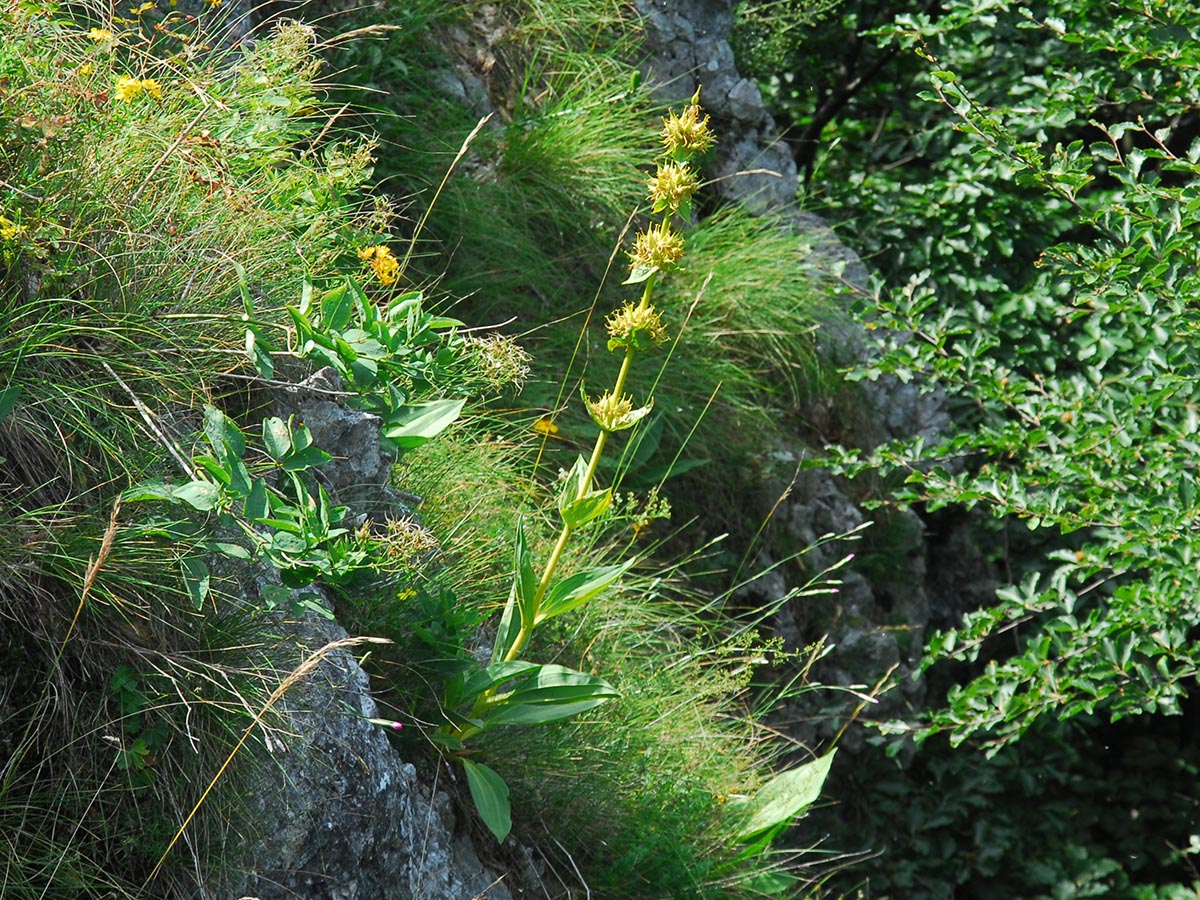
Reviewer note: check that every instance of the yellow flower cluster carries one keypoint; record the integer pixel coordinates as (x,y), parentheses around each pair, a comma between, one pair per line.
(10,230)
(687,132)
(640,327)
(658,247)
(672,186)
(615,412)
(130,88)
(383,263)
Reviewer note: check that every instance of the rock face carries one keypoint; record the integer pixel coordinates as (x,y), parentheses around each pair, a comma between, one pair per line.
(338,814)
(342,817)
(688,46)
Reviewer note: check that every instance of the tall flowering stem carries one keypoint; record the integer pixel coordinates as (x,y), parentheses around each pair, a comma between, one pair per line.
(635,328)
(511,691)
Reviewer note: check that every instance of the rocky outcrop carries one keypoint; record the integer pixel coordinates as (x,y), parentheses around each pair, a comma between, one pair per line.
(341,816)
(338,813)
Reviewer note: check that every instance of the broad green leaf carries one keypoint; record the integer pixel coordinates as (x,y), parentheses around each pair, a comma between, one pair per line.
(306,294)
(308,458)
(497,673)
(277,437)
(524,578)
(239,477)
(403,305)
(274,595)
(786,795)
(553,693)
(576,590)
(304,327)
(590,506)
(638,274)
(644,444)
(529,714)
(8,398)
(557,684)
(148,490)
(336,309)
(257,506)
(196,579)
(418,424)
(777,883)
(509,628)
(233,551)
(573,485)
(490,794)
(365,372)
(201,495)
(285,542)
(258,349)
(223,435)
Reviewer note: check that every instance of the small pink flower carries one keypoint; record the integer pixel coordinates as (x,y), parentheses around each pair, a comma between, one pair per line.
(387,723)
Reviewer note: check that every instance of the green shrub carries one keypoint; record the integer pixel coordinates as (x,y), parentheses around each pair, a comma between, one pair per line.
(1031,215)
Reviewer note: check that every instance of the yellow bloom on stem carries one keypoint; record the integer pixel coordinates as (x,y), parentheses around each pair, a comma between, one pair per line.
(383,263)
(672,186)
(658,247)
(687,133)
(640,327)
(615,413)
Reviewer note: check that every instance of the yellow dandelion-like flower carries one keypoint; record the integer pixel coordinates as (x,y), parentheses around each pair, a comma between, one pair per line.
(383,263)
(130,88)
(638,327)
(687,132)
(672,186)
(102,36)
(10,230)
(614,412)
(658,247)
(545,426)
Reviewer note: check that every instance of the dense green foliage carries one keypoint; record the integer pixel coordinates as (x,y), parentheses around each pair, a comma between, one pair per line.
(1024,181)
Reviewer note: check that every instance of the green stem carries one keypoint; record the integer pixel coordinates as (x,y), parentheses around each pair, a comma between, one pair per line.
(526,629)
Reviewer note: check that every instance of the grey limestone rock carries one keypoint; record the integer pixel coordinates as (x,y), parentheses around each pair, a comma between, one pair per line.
(340,815)
(337,814)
